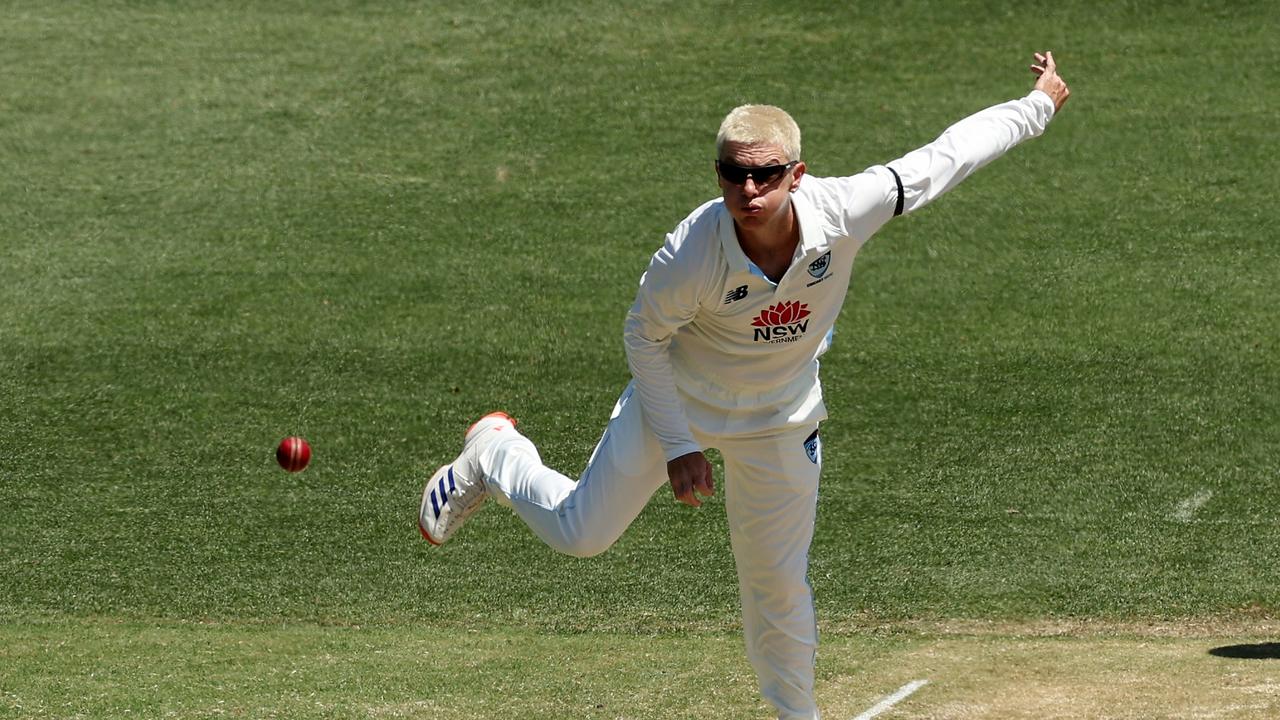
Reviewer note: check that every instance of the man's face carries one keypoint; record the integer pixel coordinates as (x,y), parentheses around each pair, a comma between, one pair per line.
(756,202)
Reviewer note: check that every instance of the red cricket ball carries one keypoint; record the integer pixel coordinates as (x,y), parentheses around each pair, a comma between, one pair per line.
(293,454)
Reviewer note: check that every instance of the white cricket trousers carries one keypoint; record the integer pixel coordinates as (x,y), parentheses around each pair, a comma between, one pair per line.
(771,490)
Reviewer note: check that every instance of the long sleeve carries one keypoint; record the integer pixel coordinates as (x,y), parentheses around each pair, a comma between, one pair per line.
(966,146)
(860,204)
(670,294)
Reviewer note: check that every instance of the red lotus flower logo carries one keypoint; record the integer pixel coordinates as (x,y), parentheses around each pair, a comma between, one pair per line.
(784,313)
(783,322)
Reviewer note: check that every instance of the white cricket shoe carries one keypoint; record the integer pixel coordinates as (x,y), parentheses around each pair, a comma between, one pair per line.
(456,491)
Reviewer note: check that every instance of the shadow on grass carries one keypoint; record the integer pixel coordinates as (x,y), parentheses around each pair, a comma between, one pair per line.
(1257,651)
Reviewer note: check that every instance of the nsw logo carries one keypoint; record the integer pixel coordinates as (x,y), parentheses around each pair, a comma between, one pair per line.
(783,322)
(818,267)
(813,448)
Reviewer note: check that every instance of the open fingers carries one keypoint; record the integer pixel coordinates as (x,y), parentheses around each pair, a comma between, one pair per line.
(1048,80)
(1044,64)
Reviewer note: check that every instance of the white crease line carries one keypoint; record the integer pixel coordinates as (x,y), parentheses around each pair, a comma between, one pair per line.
(902,694)
(1186,509)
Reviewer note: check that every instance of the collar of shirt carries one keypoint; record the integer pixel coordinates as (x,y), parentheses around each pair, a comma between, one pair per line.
(812,240)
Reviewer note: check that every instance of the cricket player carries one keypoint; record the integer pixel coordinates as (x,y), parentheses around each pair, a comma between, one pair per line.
(723,343)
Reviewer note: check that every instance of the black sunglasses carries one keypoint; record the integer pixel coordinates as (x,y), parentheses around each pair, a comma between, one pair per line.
(763,175)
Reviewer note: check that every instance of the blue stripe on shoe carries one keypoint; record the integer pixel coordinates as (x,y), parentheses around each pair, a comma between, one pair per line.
(452,485)
(435,504)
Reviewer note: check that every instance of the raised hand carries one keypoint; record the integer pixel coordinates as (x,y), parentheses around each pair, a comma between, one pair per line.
(1049,82)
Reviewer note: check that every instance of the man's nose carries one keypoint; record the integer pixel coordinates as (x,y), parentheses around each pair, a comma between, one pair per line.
(749,187)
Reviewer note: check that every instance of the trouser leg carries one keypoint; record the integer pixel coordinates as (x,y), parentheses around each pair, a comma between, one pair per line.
(582,518)
(771,487)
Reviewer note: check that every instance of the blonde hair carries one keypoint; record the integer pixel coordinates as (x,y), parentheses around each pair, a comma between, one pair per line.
(760,125)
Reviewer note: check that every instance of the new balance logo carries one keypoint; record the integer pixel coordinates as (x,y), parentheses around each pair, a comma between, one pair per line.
(735,294)
(783,322)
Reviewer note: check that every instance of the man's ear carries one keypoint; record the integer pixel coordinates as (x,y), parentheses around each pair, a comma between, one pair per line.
(797,171)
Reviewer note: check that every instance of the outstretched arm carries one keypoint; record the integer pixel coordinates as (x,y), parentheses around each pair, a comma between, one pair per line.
(873,197)
(926,173)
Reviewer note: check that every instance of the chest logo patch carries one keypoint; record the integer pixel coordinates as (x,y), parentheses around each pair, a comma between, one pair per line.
(818,267)
(784,322)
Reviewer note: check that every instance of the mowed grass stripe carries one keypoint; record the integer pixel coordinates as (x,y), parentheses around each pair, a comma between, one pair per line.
(108,669)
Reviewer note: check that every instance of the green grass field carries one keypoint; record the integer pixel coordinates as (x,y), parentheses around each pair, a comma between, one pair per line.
(1055,394)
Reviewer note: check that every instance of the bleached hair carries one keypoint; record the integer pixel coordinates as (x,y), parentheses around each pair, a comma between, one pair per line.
(760,125)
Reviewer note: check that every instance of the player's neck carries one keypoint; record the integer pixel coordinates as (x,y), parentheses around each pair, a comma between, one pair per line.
(771,246)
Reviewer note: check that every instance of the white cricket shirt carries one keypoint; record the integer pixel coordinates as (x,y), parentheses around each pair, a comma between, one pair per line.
(715,346)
